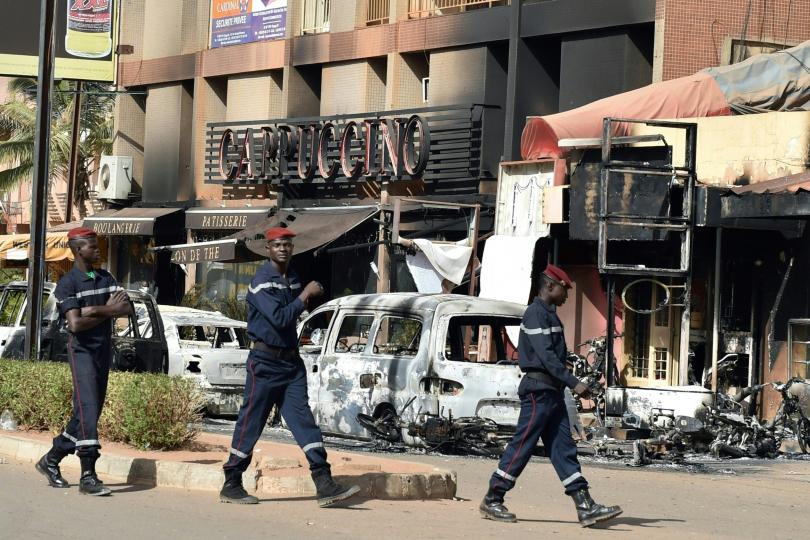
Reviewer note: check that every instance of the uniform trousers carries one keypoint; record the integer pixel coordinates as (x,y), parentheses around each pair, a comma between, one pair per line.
(542,415)
(275,381)
(90,368)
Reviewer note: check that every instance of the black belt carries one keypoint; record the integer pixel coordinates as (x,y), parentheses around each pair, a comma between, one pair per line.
(278,353)
(543,378)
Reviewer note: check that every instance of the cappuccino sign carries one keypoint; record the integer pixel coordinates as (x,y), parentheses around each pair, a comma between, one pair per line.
(372,148)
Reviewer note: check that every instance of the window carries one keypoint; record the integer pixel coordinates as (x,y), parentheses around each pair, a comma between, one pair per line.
(641,367)
(661,362)
(144,318)
(212,337)
(13,301)
(398,336)
(799,348)
(314,332)
(123,327)
(353,335)
(483,339)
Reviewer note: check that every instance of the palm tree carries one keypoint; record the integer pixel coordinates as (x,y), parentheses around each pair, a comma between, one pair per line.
(17,133)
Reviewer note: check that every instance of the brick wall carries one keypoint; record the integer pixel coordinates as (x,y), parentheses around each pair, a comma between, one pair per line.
(696,33)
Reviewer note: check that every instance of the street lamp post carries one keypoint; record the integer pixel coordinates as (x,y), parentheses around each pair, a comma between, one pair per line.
(39,188)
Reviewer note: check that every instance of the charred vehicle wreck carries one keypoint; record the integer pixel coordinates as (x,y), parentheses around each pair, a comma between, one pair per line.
(435,371)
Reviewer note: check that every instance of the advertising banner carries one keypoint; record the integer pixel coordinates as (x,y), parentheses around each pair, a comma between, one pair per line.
(234,22)
(86,39)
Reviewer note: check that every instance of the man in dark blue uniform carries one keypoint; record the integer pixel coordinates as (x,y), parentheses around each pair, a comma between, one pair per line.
(88,298)
(542,354)
(276,374)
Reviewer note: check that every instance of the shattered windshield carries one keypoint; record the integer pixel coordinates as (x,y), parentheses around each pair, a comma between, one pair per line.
(483,339)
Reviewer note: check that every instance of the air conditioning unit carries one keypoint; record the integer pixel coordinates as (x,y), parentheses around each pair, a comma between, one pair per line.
(115,177)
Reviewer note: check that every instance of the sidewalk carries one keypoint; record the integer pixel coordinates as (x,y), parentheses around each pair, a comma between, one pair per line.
(280,470)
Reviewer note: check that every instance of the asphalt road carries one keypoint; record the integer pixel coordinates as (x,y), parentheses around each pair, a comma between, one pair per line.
(730,499)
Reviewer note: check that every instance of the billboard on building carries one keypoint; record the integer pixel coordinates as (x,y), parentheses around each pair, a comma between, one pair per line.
(86,35)
(234,22)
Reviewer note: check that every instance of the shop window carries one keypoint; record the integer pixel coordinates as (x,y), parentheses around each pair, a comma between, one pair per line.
(314,332)
(353,335)
(661,363)
(482,339)
(398,336)
(799,348)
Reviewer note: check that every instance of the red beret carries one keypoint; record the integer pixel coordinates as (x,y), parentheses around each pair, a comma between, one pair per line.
(278,232)
(557,274)
(81,232)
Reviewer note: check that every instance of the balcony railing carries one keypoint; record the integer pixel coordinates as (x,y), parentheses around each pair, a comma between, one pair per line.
(315,16)
(418,9)
(377,12)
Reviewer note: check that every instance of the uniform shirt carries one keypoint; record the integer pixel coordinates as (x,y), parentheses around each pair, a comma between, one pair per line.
(76,290)
(274,307)
(542,347)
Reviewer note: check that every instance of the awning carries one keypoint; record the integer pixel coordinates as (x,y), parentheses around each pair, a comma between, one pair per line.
(15,247)
(226,218)
(128,221)
(314,228)
(785,197)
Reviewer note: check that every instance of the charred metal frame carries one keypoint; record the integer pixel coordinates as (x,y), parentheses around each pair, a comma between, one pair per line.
(683,177)
(442,204)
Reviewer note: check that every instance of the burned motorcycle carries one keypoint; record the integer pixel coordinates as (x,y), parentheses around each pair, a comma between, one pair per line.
(471,435)
(591,373)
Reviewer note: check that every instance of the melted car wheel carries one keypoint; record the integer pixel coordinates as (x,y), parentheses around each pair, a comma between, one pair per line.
(383,427)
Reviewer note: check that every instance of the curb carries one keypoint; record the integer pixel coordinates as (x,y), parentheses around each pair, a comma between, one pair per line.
(276,477)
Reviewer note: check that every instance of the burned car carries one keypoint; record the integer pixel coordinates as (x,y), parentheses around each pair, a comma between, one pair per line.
(138,342)
(423,366)
(210,348)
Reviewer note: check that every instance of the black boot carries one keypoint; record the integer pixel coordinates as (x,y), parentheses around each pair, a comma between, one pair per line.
(329,491)
(590,512)
(89,484)
(48,465)
(492,508)
(233,492)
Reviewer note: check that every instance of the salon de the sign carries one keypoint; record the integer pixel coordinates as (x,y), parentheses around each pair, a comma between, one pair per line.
(328,150)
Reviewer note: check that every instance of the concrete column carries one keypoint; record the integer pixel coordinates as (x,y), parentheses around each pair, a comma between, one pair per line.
(167,144)
(210,97)
(302,91)
(403,88)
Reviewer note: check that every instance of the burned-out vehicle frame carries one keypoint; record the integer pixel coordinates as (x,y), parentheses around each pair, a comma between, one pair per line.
(424,366)
(138,339)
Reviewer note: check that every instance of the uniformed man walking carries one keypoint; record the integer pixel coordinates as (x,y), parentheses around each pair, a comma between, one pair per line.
(543,413)
(88,299)
(276,374)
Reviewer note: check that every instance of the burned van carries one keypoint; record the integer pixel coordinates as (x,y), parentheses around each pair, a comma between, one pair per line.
(411,356)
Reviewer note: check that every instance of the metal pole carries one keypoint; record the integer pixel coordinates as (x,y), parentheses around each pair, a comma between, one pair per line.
(476,225)
(718,250)
(74,151)
(609,365)
(39,187)
(511,81)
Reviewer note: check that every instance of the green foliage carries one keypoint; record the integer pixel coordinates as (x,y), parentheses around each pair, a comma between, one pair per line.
(18,130)
(143,409)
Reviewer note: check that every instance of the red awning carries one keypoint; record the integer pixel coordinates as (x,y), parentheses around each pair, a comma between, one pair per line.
(687,97)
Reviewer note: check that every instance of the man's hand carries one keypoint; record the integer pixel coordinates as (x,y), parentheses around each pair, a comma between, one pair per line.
(312,290)
(582,390)
(118,297)
(119,301)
